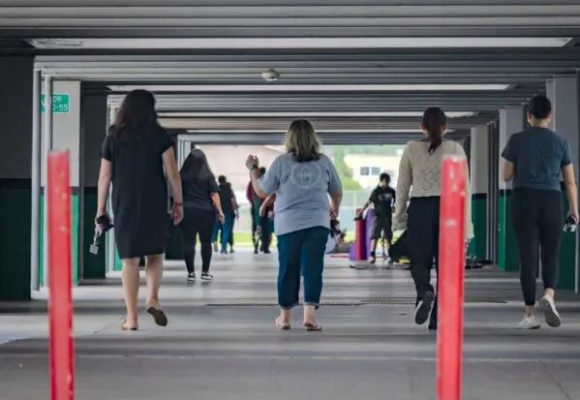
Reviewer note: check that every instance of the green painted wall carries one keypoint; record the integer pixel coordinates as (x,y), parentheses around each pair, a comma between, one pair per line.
(75,238)
(15,220)
(118,263)
(478,246)
(567,267)
(507,249)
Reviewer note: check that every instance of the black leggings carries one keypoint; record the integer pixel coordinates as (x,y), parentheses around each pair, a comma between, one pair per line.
(538,221)
(423,243)
(196,222)
(266,233)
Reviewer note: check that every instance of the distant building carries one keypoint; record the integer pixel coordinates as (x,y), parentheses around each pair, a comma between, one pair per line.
(366,168)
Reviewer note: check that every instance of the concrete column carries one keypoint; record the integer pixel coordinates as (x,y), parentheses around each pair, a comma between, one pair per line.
(94,128)
(479,166)
(36,164)
(66,117)
(16,78)
(511,120)
(563,92)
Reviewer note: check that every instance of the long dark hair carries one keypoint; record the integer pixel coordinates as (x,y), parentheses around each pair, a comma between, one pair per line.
(434,122)
(196,168)
(136,116)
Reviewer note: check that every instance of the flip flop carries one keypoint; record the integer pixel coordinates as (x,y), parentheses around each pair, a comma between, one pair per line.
(312,327)
(281,326)
(158,315)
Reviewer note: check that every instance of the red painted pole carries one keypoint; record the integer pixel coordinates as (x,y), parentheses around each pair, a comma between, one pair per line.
(450,275)
(59,278)
(360,237)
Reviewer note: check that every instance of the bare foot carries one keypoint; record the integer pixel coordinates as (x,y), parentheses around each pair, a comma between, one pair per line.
(310,323)
(150,303)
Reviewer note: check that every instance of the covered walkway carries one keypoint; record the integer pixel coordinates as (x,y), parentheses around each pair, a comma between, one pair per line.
(221,342)
(362,72)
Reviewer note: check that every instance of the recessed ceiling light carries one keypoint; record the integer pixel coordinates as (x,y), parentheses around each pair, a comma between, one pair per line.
(307,43)
(311,88)
(348,114)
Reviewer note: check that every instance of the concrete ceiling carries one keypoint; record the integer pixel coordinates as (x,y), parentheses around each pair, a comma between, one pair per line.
(207,56)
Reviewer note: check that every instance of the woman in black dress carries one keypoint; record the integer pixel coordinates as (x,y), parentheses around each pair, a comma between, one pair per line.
(201,201)
(137,154)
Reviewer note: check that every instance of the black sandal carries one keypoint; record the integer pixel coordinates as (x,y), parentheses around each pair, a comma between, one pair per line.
(158,315)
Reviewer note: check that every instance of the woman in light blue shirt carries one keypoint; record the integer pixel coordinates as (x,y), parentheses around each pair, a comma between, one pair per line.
(302,180)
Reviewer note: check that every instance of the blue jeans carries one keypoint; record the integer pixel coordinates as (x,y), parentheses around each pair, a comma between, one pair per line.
(226,229)
(301,251)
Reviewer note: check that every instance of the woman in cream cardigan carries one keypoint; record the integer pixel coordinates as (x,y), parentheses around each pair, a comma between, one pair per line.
(420,180)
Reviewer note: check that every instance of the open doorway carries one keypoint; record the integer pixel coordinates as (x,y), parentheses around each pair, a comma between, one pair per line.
(358,166)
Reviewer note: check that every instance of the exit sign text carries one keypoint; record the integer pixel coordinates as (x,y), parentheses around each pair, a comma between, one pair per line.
(60,103)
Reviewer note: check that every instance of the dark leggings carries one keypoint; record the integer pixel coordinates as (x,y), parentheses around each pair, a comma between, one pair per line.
(266,233)
(537,218)
(196,222)
(423,244)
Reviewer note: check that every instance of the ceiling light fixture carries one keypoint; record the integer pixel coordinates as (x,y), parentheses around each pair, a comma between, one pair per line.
(266,131)
(306,43)
(270,75)
(346,114)
(49,43)
(313,88)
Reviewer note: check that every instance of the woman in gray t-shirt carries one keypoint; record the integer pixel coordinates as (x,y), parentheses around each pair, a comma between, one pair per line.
(535,159)
(302,180)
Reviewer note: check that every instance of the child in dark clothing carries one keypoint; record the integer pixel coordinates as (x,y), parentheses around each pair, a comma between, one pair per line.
(382,198)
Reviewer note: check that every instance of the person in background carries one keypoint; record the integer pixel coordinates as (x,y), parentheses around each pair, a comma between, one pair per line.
(383,199)
(420,179)
(266,218)
(337,243)
(255,204)
(136,157)
(534,160)
(228,203)
(201,201)
(235,216)
(302,179)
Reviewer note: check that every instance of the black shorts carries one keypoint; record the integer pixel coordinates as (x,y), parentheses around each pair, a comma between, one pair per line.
(382,228)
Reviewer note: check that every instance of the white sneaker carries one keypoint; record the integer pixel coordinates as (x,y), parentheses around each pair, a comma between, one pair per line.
(529,322)
(548,307)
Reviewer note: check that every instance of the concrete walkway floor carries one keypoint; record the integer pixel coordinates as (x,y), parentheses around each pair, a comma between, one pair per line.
(221,342)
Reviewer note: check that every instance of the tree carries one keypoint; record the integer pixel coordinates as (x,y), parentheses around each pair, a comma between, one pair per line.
(344,172)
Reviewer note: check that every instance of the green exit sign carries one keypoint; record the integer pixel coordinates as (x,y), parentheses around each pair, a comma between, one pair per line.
(60,103)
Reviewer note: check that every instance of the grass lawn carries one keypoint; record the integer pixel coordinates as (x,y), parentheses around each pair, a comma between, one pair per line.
(244,239)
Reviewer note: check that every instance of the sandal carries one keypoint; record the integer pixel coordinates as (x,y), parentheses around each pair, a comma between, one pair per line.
(126,328)
(282,326)
(158,315)
(312,327)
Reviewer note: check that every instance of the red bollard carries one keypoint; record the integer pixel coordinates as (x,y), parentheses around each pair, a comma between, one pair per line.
(450,277)
(59,278)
